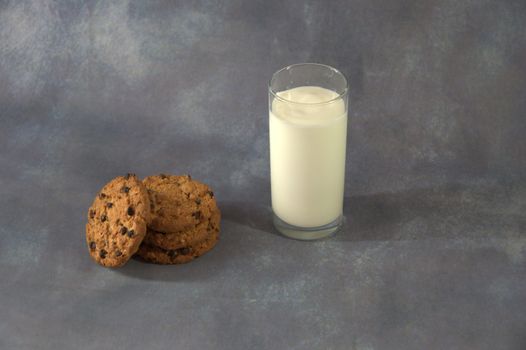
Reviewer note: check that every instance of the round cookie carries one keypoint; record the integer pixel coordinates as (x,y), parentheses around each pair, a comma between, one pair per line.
(182,255)
(178,202)
(188,237)
(117,221)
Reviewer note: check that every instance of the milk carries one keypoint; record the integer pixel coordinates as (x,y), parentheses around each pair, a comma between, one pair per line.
(307,155)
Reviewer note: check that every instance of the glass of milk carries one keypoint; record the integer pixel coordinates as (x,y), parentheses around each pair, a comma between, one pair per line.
(308,131)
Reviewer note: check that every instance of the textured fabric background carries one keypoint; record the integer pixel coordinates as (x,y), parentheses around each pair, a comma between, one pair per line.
(433,254)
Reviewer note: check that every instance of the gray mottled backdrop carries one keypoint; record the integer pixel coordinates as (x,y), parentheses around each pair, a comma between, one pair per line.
(433,255)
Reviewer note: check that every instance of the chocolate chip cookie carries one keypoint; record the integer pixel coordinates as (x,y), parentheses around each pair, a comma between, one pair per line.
(117,221)
(190,236)
(182,255)
(178,203)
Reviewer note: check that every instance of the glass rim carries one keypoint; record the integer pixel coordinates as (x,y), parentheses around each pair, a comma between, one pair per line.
(340,95)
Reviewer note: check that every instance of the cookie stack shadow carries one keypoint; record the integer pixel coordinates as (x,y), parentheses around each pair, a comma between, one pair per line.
(163,219)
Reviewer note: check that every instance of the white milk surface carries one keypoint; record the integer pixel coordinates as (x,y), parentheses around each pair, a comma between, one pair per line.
(307,155)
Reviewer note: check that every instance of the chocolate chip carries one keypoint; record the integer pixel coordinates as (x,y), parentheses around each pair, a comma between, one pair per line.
(184,251)
(131,233)
(118,253)
(125,189)
(123,230)
(91,213)
(189,177)
(92,245)
(127,176)
(102,253)
(172,253)
(130,211)
(102,195)
(187,195)
(109,205)
(103,218)
(197,215)
(163,176)
(198,201)
(210,193)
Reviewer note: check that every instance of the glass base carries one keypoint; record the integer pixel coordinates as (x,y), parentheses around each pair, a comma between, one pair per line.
(307,233)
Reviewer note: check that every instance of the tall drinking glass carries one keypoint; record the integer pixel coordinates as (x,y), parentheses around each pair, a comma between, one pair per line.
(308,130)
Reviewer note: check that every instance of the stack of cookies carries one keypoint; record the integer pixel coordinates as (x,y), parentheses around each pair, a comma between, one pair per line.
(164,219)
